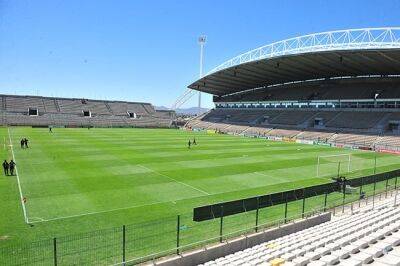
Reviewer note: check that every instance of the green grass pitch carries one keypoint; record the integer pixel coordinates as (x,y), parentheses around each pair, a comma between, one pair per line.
(79,180)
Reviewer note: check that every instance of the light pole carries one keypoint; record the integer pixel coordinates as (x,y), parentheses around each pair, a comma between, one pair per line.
(202,41)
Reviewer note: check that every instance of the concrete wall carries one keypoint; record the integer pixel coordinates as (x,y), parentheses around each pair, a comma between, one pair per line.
(220,250)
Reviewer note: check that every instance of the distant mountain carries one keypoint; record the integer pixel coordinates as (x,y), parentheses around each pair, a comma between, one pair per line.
(191,111)
(184,111)
(161,108)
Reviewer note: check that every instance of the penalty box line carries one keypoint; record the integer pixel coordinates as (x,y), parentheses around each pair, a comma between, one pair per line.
(173,179)
(41,220)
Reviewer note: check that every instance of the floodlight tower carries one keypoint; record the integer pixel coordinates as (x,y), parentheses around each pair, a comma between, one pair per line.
(202,41)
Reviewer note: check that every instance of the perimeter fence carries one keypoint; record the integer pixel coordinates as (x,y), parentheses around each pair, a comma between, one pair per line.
(139,242)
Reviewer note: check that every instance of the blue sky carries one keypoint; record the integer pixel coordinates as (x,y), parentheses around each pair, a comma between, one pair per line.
(147,50)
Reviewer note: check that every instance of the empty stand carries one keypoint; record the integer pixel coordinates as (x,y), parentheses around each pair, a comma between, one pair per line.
(292,117)
(355,139)
(355,120)
(69,112)
(357,128)
(370,236)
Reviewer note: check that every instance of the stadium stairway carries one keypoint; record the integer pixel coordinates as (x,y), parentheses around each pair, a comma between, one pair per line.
(369,235)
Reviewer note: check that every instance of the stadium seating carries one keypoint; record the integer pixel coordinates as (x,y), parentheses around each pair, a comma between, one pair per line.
(388,141)
(257,131)
(320,90)
(354,139)
(369,236)
(355,120)
(69,112)
(288,133)
(21,104)
(292,118)
(315,135)
(350,127)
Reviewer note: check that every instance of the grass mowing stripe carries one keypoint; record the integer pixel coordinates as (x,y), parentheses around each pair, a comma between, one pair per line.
(19,183)
(182,183)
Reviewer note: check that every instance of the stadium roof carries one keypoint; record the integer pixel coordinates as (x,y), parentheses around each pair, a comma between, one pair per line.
(354,52)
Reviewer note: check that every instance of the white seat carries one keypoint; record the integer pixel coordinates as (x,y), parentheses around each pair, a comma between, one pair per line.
(312,255)
(350,262)
(300,261)
(374,251)
(351,248)
(317,263)
(362,257)
(288,256)
(342,254)
(330,259)
(389,260)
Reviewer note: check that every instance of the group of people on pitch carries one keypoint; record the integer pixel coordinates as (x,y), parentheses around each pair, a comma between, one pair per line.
(24,143)
(192,143)
(9,167)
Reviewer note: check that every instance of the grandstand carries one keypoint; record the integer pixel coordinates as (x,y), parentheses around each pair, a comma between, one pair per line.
(368,236)
(70,112)
(342,87)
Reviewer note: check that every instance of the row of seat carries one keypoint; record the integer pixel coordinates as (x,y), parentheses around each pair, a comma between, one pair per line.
(332,90)
(20,104)
(336,120)
(13,119)
(368,237)
(370,140)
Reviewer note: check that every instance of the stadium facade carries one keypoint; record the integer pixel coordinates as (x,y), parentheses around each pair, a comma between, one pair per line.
(338,87)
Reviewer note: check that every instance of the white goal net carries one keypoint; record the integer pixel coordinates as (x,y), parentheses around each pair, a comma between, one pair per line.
(333,165)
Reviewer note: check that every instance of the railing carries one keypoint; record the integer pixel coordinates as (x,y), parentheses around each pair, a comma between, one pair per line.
(136,243)
(352,39)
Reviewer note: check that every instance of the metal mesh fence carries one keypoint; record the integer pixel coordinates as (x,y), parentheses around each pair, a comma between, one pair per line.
(140,242)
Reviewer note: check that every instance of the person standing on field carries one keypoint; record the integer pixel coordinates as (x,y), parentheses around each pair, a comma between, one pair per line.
(194,141)
(5,167)
(22,143)
(12,167)
(26,142)
(189,143)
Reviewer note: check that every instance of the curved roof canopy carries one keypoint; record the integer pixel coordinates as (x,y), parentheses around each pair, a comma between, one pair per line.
(356,52)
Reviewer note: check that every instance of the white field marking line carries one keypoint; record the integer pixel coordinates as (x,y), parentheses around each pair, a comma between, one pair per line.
(270,176)
(182,183)
(19,183)
(37,218)
(258,173)
(98,212)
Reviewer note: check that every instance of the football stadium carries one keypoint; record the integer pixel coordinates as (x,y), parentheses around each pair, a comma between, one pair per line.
(297,164)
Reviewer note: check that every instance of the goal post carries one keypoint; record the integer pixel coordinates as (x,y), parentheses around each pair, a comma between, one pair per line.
(331,165)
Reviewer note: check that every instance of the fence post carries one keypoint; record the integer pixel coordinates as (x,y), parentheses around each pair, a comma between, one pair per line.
(344,195)
(373,195)
(359,198)
(258,207)
(55,251)
(221,224)
(123,245)
(395,183)
(286,203)
(386,189)
(326,198)
(178,229)
(304,204)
